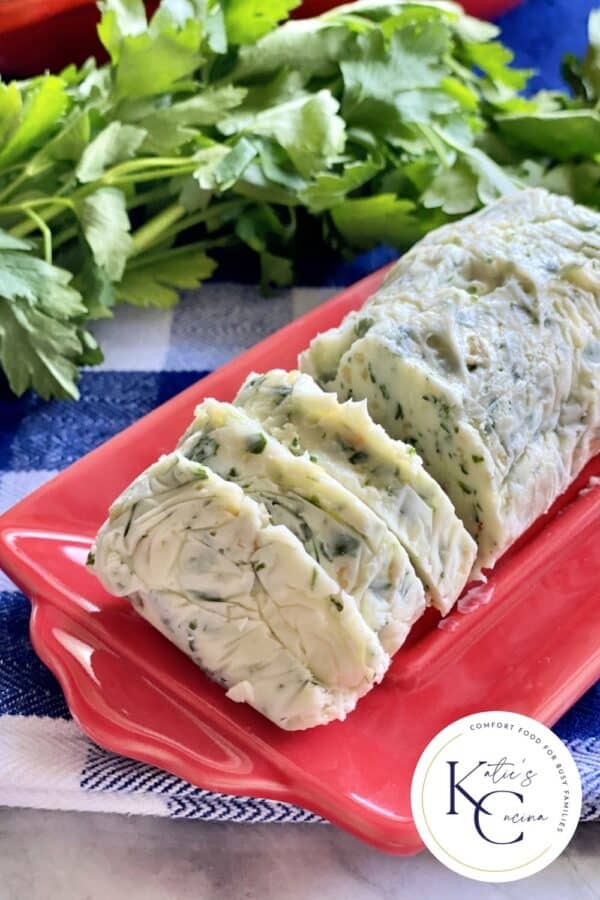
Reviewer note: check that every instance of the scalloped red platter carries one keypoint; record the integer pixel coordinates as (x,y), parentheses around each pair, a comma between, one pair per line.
(528,641)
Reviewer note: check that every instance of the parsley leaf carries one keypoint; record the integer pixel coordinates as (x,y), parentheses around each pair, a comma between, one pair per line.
(70,142)
(583,75)
(382,218)
(330,188)
(169,127)
(32,115)
(150,58)
(10,109)
(248,20)
(260,229)
(379,72)
(96,289)
(494,60)
(453,190)
(307,128)
(115,143)
(154,282)
(314,46)
(563,134)
(106,227)
(40,344)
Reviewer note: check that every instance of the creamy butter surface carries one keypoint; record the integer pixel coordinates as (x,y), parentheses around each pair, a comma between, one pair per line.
(201,562)
(386,475)
(482,351)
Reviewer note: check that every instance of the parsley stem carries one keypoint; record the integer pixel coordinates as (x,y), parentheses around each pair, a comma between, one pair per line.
(45,232)
(147,169)
(217,209)
(154,228)
(64,235)
(38,201)
(437,144)
(57,206)
(31,170)
(147,162)
(157,193)
(13,168)
(150,176)
(138,262)
(154,233)
(12,185)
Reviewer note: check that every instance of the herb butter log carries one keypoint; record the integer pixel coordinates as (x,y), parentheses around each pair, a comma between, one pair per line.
(201,562)
(530,237)
(386,475)
(482,350)
(341,533)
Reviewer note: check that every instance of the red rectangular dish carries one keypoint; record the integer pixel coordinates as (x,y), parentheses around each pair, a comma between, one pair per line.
(527,641)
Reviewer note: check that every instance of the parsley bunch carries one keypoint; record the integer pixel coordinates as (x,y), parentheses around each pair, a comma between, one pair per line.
(213,127)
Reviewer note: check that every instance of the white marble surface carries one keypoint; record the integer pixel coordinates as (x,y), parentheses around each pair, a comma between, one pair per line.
(96,856)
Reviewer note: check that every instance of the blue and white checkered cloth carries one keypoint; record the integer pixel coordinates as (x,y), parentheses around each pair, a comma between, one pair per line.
(45,760)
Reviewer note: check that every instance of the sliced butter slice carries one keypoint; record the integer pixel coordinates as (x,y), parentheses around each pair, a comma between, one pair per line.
(387,475)
(342,534)
(241,597)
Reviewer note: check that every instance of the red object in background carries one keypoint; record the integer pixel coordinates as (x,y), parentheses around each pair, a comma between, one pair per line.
(42,35)
(36,35)
(528,641)
(39,35)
